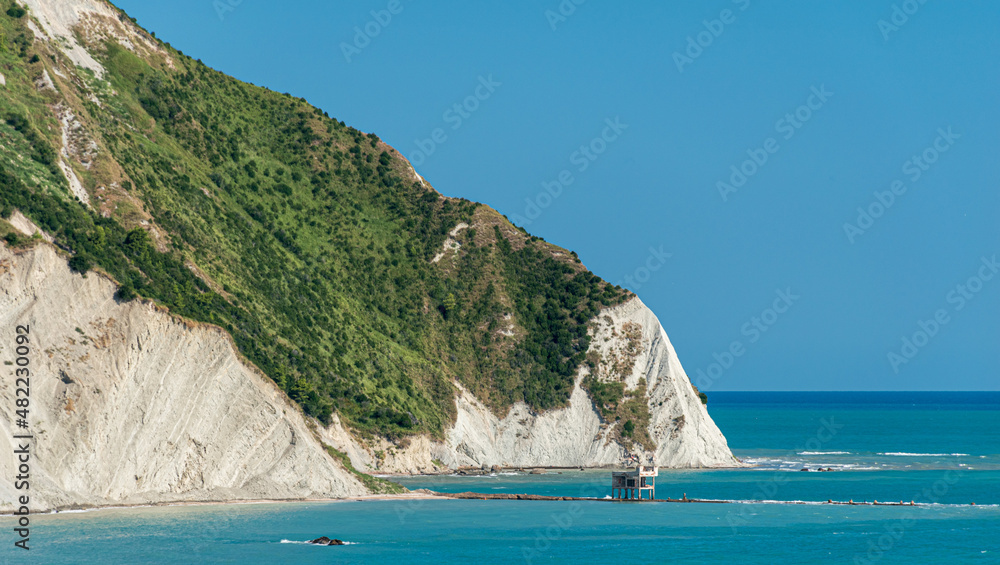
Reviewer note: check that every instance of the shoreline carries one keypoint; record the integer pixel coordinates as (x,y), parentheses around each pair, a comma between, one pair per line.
(541,470)
(86,508)
(419,494)
(423,494)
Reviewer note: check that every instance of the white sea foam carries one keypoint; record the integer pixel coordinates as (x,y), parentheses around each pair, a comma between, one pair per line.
(904,454)
(824,453)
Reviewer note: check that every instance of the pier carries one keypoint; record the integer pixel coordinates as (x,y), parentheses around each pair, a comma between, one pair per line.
(684,499)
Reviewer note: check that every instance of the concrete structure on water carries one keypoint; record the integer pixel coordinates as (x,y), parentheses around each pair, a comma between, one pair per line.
(629,485)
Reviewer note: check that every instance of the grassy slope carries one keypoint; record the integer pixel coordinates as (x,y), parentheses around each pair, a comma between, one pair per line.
(308,240)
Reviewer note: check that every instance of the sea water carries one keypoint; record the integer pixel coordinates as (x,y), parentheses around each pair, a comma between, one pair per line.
(940,450)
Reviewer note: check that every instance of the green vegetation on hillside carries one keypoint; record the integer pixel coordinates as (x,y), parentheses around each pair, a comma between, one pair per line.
(376,485)
(311,242)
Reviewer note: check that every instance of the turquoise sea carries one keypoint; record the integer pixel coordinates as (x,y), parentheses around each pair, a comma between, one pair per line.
(940,450)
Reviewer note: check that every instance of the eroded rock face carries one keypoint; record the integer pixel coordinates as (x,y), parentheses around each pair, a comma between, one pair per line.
(680,427)
(95,20)
(130,405)
(628,338)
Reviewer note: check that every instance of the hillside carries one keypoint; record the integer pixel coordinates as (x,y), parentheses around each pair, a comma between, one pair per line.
(308,240)
(384,309)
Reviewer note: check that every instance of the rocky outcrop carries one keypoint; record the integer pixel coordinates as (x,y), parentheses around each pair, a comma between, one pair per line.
(63,22)
(326,541)
(130,405)
(680,427)
(633,348)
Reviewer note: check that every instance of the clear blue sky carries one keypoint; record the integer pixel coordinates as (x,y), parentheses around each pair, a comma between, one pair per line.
(889,89)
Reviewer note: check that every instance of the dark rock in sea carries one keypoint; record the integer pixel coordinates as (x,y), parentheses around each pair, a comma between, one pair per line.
(804,469)
(326,541)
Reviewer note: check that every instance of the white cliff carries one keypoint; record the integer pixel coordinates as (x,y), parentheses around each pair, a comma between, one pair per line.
(681,429)
(130,405)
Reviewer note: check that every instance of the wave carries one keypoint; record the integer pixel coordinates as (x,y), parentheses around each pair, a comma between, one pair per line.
(904,454)
(859,503)
(824,453)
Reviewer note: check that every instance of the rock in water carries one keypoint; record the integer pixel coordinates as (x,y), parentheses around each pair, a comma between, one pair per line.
(326,541)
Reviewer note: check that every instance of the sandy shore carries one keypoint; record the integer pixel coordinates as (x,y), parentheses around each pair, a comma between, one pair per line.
(76,509)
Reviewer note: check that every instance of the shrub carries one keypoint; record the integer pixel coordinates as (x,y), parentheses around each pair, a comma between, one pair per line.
(126,292)
(628,429)
(80,263)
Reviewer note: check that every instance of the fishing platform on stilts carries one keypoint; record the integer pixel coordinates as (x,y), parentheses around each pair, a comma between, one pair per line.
(634,484)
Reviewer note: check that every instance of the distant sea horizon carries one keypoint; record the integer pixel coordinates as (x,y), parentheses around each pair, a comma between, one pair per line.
(983,397)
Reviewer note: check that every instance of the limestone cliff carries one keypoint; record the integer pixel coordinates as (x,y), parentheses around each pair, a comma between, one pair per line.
(682,432)
(130,405)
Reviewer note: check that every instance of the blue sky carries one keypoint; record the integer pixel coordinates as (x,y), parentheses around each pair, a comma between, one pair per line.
(766,278)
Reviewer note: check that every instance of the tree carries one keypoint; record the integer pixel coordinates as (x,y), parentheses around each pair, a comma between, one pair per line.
(80,263)
(136,243)
(628,429)
(100,237)
(126,292)
(449,304)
